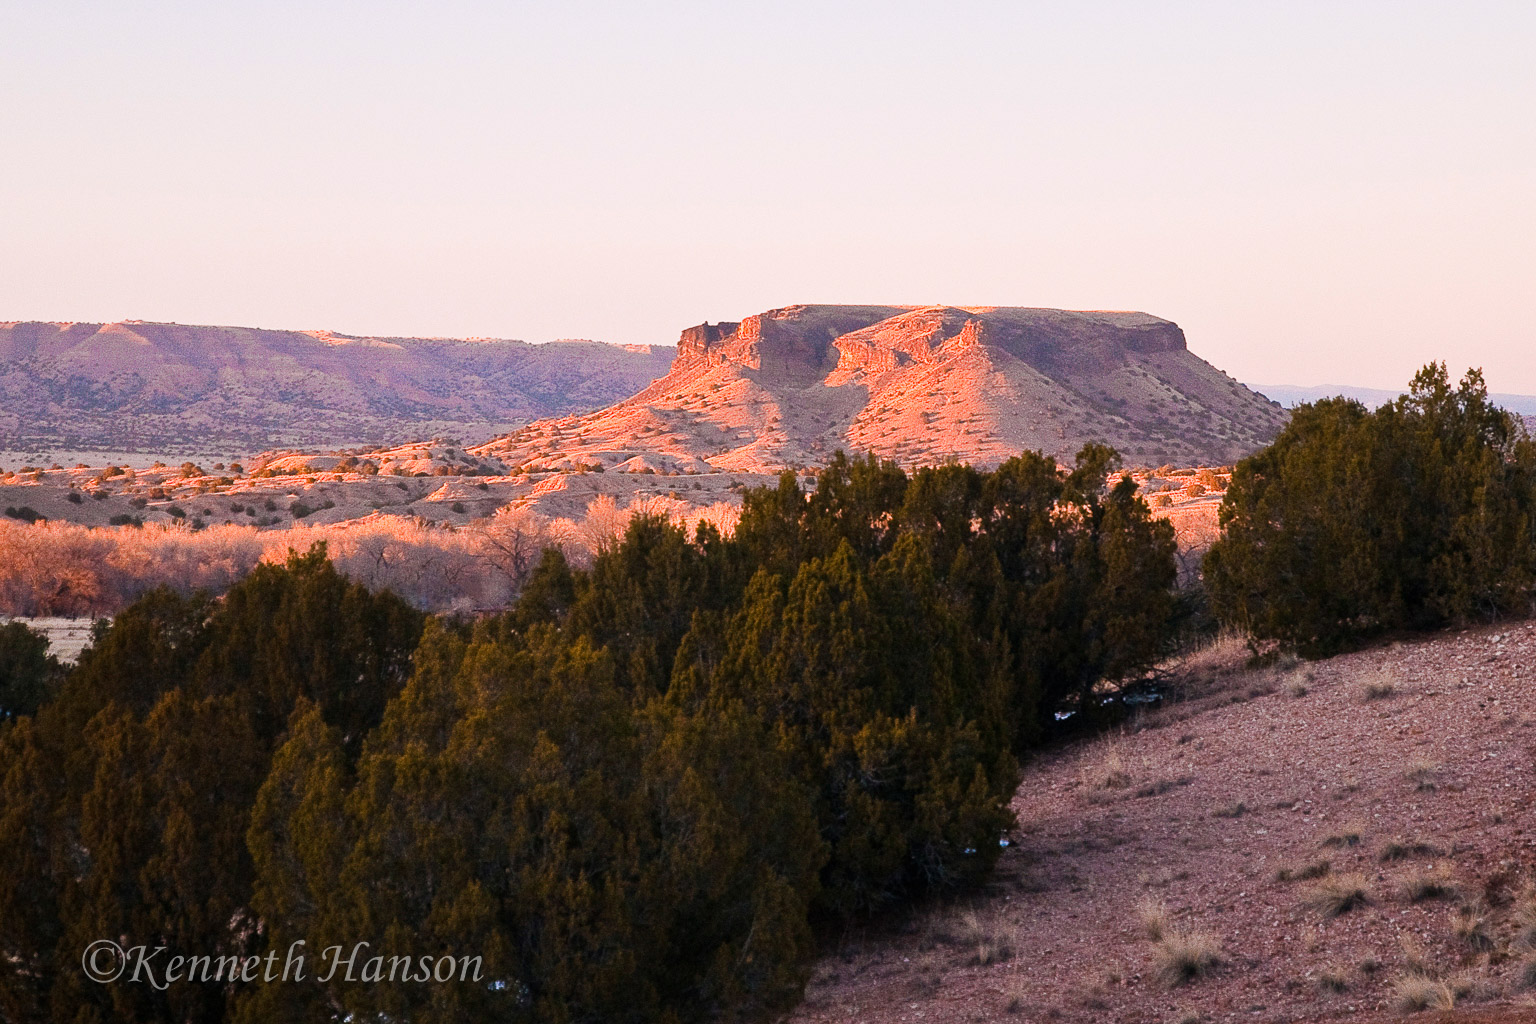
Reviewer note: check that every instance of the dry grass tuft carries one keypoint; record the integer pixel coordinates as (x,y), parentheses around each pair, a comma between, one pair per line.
(1525,975)
(1337,894)
(1349,835)
(1181,957)
(1332,979)
(1107,767)
(1415,956)
(1303,872)
(1525,919)
(1402,849)
(990,940)
(1154,920)
(1435,884)
(1233,810)
(1424,775)
(1412,993)
(1378,686)
(1470,927)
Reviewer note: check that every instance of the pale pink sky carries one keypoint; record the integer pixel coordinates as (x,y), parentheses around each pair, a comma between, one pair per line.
(1318,192)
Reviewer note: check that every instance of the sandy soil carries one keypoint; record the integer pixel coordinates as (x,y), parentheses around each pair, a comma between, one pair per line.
(1199,810)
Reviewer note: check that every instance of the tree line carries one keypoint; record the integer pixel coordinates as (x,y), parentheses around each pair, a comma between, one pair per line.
(637,794)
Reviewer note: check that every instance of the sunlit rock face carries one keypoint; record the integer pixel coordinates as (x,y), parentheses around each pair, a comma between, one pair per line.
(917,384)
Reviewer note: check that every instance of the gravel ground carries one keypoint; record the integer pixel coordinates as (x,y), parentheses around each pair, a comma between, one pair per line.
(1194,814)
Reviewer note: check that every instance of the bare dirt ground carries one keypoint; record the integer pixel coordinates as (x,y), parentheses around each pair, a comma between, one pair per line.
(1401,778)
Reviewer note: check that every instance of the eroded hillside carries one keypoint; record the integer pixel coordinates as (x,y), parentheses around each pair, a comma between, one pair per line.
(788,387)
(171,388)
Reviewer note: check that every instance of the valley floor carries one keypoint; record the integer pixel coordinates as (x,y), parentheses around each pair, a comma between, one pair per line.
(1408,767)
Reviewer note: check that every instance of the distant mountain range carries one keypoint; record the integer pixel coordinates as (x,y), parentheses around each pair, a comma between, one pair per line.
(1291,395)
(154,387)
(919,385)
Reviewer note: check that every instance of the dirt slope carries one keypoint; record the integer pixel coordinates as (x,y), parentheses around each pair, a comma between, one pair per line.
(1198,808)
(788,387)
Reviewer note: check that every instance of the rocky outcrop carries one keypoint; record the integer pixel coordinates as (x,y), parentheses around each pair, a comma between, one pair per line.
(790,386)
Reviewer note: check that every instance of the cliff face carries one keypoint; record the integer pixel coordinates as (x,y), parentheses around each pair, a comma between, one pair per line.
(166,386)
(917,384)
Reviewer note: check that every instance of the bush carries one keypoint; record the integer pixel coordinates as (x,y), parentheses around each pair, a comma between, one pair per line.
(27,671)
(1353,523)
(299,510)
(25,513)
(74,498)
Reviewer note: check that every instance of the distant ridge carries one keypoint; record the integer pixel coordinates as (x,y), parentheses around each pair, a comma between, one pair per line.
(147,386)
(916,384)
(1292,395)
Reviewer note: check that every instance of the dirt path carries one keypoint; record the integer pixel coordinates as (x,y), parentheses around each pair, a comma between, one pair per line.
(1195,814)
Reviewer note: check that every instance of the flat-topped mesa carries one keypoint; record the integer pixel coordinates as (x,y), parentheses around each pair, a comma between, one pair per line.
(884,337)
(917,384)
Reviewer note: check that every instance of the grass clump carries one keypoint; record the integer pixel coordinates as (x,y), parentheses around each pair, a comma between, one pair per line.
(1234,810)
(1337,894)
(1424,775)
(1525,974)
(1414,992)
(1303,872)
(1349,835)
(1332,979)
(990,941)
(1420,886)
(1470,928)
(1182,957)
(1153,917)
(1379,687)
(1403,849)
(1525,919)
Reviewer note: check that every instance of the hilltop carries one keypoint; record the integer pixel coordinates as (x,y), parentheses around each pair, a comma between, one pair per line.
(788,387)
(169,388)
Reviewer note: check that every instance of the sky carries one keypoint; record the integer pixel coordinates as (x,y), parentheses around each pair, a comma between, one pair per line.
(1316,192)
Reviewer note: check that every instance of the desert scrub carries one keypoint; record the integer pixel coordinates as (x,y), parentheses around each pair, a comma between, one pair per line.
(1403,849)
(1435,884)
(1424,775)
(1332,979)
(990,940)
(1348,835)
(1469,926)
(1233,810)
(1525,974)
(1153,918)
(1525,919)
(1334,895)
(1379,685)
(1107,767)
(1181,957)
(1303,872)
(1414,992)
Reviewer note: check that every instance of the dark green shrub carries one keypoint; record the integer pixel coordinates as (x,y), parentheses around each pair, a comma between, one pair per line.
(28,672)
(1354,522)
